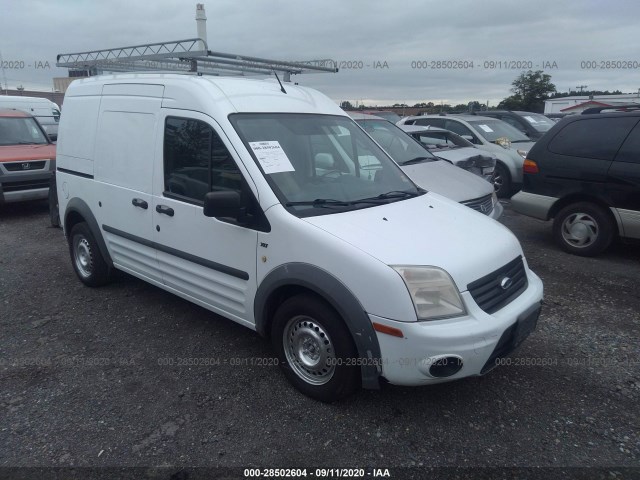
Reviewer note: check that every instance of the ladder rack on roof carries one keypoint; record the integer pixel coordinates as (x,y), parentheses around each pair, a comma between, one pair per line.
(190,55)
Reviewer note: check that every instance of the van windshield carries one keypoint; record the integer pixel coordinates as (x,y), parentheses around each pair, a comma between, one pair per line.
(321,164)
(20,131)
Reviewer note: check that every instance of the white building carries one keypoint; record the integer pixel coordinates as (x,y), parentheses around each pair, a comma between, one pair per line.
(578,103)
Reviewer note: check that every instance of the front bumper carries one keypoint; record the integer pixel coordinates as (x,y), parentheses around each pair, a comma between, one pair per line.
(477,339)
(19,186)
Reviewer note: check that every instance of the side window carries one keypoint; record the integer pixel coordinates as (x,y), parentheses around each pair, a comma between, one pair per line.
(462,130)
(196,161)
(598,138)
(434,122)
(630,151)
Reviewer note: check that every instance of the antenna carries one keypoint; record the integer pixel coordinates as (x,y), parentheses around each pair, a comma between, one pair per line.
(278,78)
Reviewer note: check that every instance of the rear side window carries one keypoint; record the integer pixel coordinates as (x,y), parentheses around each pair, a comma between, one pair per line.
(630,151)
(457,127)
(598,138)
(196,161)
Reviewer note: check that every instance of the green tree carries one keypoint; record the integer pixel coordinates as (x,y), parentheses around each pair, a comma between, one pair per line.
(346,105)
(530,89)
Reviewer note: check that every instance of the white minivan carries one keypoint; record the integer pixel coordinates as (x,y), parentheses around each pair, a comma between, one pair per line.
(44,110)
(277,211)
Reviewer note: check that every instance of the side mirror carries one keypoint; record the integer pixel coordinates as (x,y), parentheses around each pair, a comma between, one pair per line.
(222,204)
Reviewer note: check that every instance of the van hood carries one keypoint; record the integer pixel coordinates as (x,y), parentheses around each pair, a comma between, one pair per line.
(19,153)
(426,230)
(449,181)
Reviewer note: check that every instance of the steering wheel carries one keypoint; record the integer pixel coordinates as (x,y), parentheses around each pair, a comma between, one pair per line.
(330,172)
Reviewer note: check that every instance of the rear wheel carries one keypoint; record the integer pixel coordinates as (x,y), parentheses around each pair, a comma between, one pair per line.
(86,258)
(583,228)
(315,349)
(502,180)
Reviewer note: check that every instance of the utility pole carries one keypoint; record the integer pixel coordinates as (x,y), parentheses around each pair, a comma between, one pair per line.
(4,76)
(582,87)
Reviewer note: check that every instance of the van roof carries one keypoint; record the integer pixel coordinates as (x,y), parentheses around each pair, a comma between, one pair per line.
(12,112)
(224,95)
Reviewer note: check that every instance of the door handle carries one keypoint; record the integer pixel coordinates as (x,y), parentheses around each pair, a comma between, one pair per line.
(164,210)
(138,202)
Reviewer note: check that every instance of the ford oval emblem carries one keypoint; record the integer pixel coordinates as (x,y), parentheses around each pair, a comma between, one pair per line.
(505,283)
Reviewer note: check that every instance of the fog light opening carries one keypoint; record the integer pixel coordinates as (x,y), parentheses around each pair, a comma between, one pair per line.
(445,367)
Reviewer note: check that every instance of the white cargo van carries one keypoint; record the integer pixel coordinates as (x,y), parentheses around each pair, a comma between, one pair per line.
(277,211)
(46,112)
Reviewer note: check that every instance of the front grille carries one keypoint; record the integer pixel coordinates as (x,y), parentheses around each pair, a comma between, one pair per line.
(491,292)
(25,185)
(482,204)
(24,166)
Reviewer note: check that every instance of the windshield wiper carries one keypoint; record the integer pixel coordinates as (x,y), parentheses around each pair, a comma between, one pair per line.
(329,202)
(392,195)
(395,194)
(28,143)
(417,160)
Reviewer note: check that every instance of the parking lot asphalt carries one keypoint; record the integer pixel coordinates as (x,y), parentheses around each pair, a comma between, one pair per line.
(130,375)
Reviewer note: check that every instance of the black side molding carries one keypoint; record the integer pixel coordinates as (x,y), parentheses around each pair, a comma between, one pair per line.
(234,272)
(73,172)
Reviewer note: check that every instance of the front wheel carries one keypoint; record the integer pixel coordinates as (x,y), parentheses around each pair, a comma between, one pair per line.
(86,258)
(315,349)
(502,180)
(583,228)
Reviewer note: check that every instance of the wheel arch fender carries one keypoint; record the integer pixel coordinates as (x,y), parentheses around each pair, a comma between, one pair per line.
(292,278)
(77,211)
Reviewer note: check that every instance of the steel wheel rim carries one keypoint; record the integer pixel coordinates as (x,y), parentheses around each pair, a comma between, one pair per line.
(82,256)
(309,350)
(580,230)
(497,180)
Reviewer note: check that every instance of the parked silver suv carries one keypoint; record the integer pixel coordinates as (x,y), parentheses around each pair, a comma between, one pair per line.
(490,134)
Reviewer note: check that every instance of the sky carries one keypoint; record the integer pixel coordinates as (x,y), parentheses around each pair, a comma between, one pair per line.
(440,51)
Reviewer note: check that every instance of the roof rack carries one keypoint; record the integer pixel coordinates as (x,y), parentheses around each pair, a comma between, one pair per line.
(630,107)
(184,56)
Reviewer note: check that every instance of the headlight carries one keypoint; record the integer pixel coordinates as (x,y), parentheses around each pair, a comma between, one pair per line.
(432,291)
(523,153)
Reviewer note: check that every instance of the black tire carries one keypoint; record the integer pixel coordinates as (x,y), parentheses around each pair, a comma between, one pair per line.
(86,258)
(583,228)
(502,180)
(331,371)
(54,211)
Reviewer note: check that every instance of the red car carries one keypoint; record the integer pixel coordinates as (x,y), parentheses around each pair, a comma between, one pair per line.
(27,158)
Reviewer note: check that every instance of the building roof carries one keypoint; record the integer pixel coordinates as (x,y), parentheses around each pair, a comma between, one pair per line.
(595,103)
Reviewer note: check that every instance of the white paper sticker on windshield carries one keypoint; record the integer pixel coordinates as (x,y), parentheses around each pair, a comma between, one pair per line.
(530,119)
(486,128)
(271,157)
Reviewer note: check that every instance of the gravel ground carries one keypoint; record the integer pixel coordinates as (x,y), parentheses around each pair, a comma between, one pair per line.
(84,379)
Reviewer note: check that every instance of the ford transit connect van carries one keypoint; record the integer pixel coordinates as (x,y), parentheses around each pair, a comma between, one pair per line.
(277,211)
